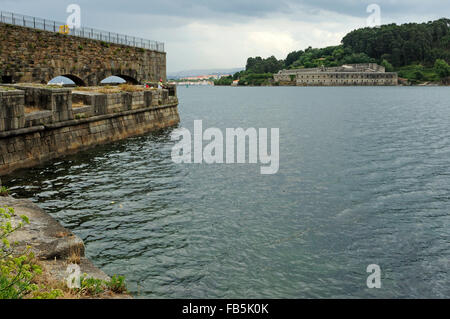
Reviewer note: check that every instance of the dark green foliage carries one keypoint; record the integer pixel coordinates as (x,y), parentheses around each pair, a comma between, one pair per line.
(256,79)
(417,73)
(387,66)
(225,80)
(442,68)
(292,57)
(259,65)
(403,44)
(417,51)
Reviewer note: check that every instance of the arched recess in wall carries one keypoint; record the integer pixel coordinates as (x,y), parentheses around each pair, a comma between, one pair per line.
(7,79)
(67,79)
(119,79)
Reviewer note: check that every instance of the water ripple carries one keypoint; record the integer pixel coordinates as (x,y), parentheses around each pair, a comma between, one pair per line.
(364,179)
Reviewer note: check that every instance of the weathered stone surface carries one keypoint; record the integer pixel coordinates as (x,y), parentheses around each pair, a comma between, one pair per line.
(38,118)
(58,269)
(54,140)
(46,55)
(51,243)
(99,103)
(12,112)
(28,140)
(47,238)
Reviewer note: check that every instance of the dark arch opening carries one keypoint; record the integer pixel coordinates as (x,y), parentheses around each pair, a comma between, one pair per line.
(7,79)
(67,80)
(120,78)
(128,79)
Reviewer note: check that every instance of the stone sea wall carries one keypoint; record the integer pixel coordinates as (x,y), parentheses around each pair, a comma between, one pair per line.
(40,123)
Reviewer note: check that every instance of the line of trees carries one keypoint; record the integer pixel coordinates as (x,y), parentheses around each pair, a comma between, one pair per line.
(405,44)
(418,51)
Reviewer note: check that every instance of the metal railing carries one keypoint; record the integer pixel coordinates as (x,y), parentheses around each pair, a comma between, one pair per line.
(83,32)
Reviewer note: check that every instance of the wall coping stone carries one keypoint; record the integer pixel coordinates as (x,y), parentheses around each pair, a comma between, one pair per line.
(74,122)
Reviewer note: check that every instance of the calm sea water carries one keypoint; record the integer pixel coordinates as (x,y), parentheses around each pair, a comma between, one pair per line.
(364,179)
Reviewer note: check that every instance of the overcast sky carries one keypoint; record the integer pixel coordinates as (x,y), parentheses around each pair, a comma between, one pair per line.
(206,34)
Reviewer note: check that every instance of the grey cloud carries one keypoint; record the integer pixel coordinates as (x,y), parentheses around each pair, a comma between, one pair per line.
(223,10)
(168,21)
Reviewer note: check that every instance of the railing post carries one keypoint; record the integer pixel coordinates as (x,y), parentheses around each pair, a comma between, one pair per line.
(34,23)
(24,22)
(44,24)
(12,18)
(54,26)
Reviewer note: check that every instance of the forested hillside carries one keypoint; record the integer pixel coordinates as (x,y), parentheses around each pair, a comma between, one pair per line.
(403,45)
(419,52)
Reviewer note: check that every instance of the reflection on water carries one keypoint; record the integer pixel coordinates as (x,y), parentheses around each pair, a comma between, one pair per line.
(364,178)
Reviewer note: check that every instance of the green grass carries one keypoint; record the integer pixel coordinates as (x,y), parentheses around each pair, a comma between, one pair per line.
(417,73)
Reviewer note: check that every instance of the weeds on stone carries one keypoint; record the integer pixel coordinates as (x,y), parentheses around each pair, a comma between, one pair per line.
(92,287)
(74,257)
(117,284)
(4,191)
(18,269)
(22,276)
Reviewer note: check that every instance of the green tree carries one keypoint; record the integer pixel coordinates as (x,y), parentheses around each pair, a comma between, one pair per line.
(406,44)
(387,66)
(292,57)
(442,68)
(225,80)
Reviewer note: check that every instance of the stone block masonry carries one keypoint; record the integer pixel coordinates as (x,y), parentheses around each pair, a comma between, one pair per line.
(29,55)
(58,129)
(12,115)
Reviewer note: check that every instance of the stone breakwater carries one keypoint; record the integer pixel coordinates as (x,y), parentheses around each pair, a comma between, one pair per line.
(40,123)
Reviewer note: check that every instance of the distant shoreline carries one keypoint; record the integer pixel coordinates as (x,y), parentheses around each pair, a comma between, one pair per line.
(309,86)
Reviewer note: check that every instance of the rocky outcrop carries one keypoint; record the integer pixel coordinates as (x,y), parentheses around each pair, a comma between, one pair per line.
(51,243)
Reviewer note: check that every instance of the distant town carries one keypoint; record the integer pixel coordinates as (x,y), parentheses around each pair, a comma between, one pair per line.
(198,80)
